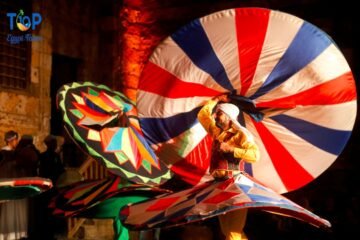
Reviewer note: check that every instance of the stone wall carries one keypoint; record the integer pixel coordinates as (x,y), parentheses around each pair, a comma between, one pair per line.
(81,30)
(28,111)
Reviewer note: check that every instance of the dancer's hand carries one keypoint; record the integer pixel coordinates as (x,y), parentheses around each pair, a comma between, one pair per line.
(223,98)
(224,147)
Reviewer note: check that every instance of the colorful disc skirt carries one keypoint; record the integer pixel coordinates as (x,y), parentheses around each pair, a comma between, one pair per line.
(212,199)
(79,199)
(18,188)
(294,87)
(104,123)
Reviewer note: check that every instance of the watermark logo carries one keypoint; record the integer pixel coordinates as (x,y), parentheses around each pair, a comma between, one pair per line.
(23,23)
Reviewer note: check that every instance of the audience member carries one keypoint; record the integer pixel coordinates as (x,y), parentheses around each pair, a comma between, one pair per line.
(27,156)
(13,214)
(51,167)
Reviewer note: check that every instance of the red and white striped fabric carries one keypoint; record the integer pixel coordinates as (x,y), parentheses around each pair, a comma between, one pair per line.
(289,69)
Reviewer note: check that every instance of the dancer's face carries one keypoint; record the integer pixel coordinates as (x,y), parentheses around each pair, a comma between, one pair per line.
(222,120)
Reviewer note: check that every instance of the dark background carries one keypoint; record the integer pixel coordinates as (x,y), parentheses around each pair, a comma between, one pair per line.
(334,195)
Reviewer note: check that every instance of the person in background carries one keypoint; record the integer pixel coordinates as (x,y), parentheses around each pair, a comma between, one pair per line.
(50,165)
(11,140)
(27,156)
(232,143)
(7,163)
(13,214)
(7,152)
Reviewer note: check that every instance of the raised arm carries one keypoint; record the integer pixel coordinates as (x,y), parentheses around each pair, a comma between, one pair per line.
(205,117)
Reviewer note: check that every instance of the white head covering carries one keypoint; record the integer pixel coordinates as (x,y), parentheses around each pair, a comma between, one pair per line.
(232,111)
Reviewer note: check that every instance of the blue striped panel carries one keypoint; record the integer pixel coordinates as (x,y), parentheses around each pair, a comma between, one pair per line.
(192,39)
(157,130)
(244,188)
(327,139)
(248,168)
(308,43)
(268,200)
